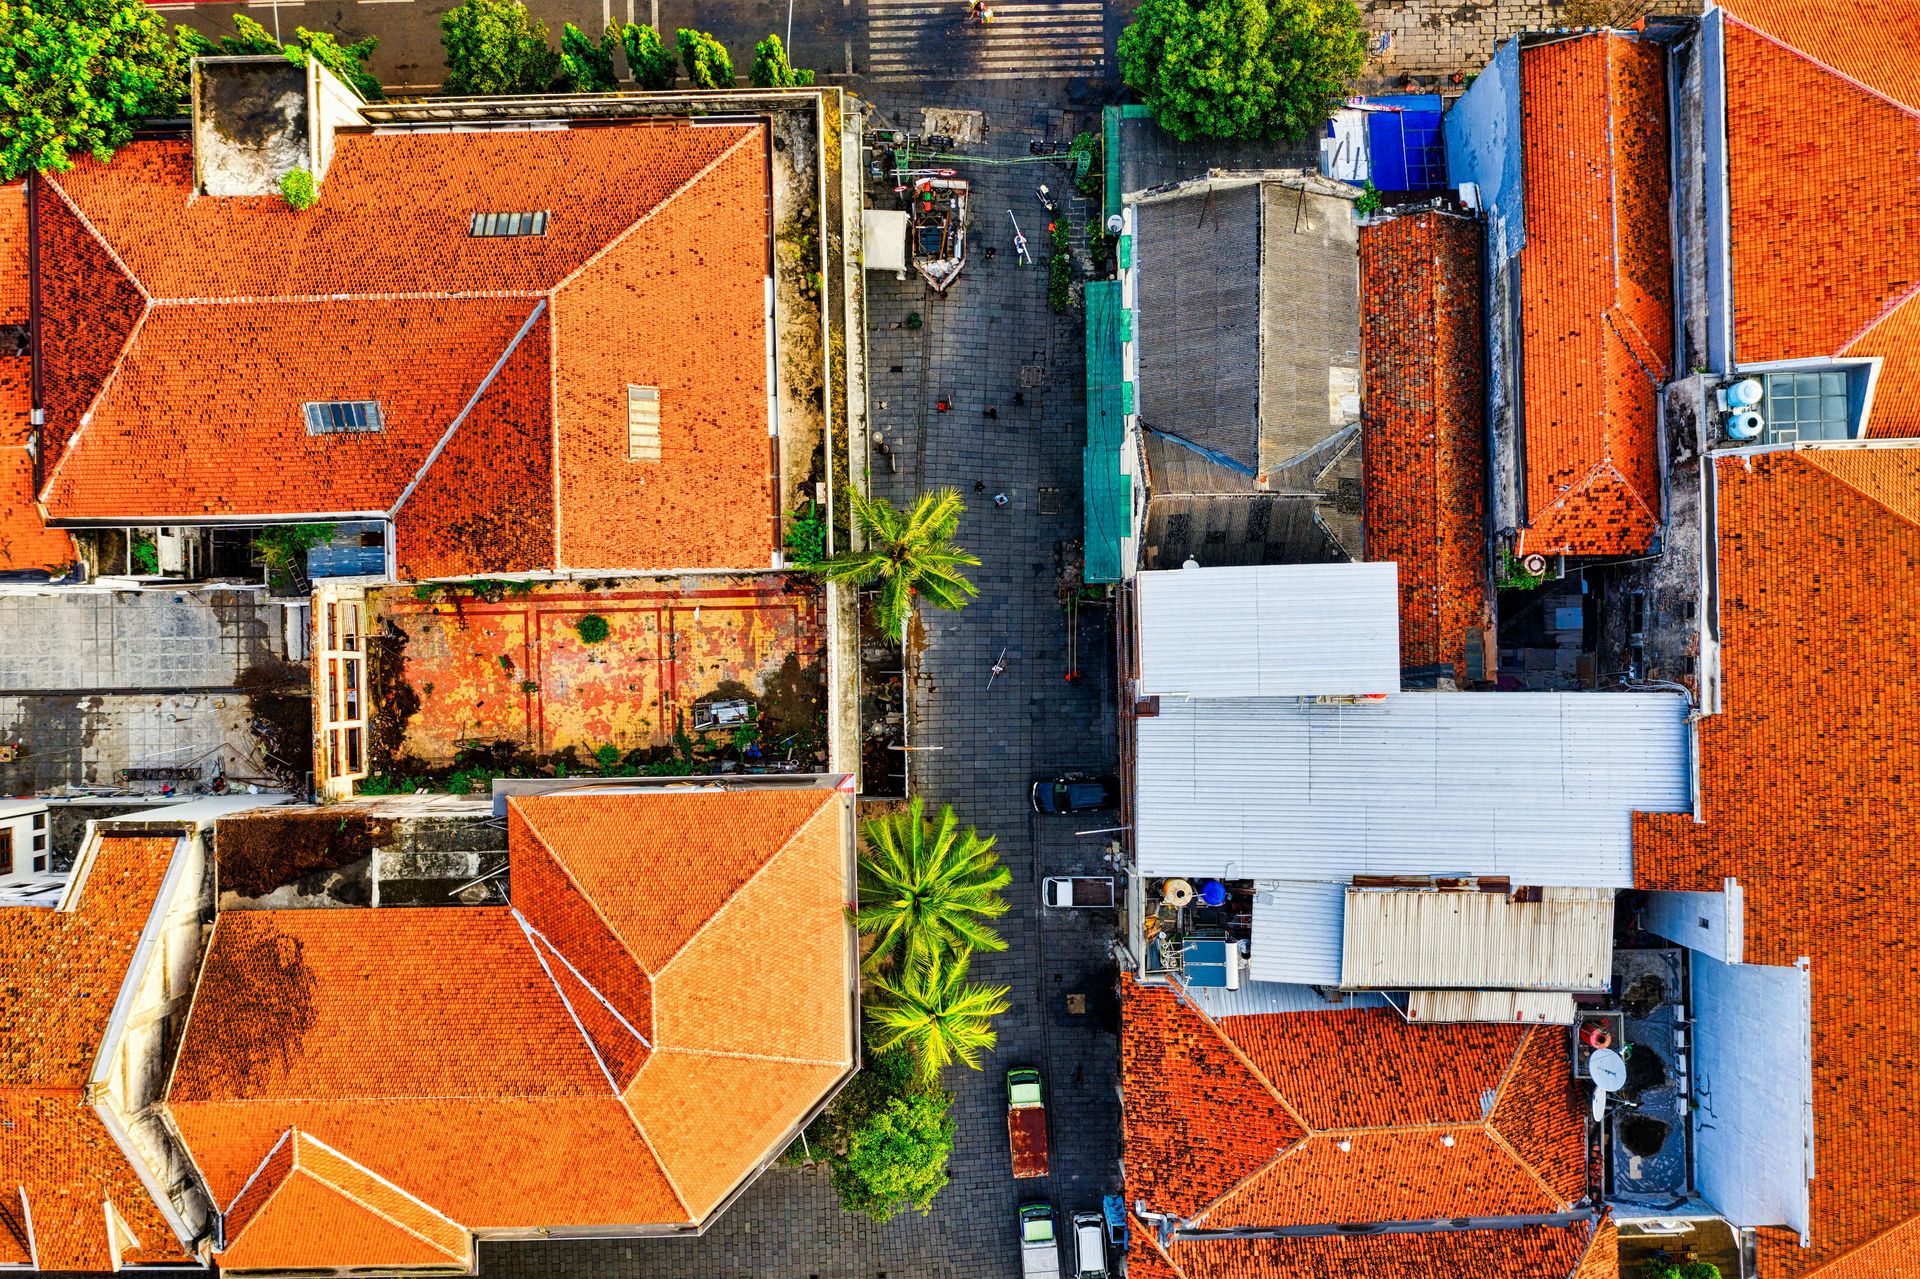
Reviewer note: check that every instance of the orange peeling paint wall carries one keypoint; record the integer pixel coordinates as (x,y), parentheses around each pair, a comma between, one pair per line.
(680,304)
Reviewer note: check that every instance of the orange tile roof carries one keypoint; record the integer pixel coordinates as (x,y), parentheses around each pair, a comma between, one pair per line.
(64,971)
(1807,787)
(218,318)
(1425,438)
(1596,293)
(13,253)
(1240,1122)
(1536,1252)
(308,1207)
(670,995)
(25,540)
(1814,276)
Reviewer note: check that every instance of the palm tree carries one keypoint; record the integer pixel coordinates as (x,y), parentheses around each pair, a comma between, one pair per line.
(932,1010)
(926,889)
(906,555)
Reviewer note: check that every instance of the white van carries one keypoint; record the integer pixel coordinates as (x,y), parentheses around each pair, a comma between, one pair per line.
(1089,1246)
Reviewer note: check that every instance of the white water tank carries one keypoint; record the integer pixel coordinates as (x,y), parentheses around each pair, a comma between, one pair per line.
(1746,425)
(1743,394)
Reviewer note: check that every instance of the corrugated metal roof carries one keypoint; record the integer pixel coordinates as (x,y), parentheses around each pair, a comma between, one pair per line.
(1410,939)
(1491,1005)
(1293,630)
(1259,998)
(1296,932)
(1540,787)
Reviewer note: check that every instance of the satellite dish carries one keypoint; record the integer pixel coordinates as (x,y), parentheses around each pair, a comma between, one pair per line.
(1609,1071)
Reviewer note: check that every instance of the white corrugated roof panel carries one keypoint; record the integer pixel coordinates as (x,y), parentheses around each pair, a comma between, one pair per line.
(1409,939)
(1541,787)
(1296,932)
(1293,630)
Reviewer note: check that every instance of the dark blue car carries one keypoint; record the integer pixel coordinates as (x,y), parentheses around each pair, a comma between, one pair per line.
(1075,793)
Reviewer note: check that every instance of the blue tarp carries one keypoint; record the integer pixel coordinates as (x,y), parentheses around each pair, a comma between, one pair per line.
(1404,147)
(1483,147)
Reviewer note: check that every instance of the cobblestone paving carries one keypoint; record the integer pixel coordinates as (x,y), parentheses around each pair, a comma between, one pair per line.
(989,344)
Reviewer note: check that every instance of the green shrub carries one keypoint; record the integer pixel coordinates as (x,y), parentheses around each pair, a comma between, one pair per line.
(348,61)
(496,46)
(772,70)
(1511,575)
(298,189)
(586,66)
(143,555)
(1091,181)
(649,60)
(593,628)
(1060,284)
(708,63)
(1260,69)
(1369,201)
(886,1139)
(806,537)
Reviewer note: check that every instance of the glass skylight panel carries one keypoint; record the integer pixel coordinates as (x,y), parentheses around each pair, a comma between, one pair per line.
(343,417)
(504,224)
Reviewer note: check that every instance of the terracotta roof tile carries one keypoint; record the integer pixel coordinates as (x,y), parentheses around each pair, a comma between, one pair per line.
(1807,788)
(25,540)
(89,310)
(13,253)
(1596,292)
(1536,1252)
(168,439)
(64,970)
(1254,1138)
(1602,1259)
(1864,40)
(1425,438)
(1888,1256)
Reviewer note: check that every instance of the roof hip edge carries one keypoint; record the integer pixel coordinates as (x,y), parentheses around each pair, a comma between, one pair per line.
(1825,66)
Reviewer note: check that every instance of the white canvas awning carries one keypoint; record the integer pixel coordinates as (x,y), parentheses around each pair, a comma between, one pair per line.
(883,238)
(1297,630)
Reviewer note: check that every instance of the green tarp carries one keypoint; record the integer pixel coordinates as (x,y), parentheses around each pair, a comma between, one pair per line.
(1108,493)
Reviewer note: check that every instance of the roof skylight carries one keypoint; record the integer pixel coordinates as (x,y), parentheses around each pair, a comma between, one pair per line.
(499,224)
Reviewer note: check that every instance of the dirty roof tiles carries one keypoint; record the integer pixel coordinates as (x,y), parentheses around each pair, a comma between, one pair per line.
(65,969)
(1539,1252)
(25,540)
(1807,779)
(1596,292)
(1425,438)
(1817,277)
(671,994)
(652,272)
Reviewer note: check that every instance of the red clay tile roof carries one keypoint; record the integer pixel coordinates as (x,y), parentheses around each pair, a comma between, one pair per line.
(25,540)
(308,1207)
(1425,438)
(1596,292)
(669,996)
(1239,1122)
(64,971)
(14,303)
(1808,781)
(1535,1252)
(1812,276)
(219,317)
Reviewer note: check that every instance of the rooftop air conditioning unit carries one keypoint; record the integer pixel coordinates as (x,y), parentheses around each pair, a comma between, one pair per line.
(1746,425)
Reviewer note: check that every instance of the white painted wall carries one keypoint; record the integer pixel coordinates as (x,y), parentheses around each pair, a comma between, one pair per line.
(25,832)
(1706,923)
(1753,1090)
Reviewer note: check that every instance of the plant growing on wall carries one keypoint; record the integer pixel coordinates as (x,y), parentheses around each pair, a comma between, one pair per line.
(1259,69)
(932,1011)
(927,889)
(298,190)
(592,628)
(708,63)
(907,554)
(649,61)
(806,537)
(496,46)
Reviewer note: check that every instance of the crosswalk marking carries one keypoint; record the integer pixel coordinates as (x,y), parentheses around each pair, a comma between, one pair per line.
(926,39)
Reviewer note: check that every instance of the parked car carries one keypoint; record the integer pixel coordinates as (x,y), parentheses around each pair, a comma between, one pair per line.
(1039,1250)
(1075,793)
(1089,1246)
(1027,1122)
(1077,892)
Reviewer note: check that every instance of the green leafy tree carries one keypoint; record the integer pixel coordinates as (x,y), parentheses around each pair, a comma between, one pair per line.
(586,65)
(249,39)
(496,46)
(932,1011)
(348,61)
(907,554)
(772,70)
(886,1139)
(1260,69)
(927,889)
(77,77)
(708,63)
(649,61)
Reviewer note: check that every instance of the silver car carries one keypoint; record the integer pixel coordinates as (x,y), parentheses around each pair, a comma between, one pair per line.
(1089,1246)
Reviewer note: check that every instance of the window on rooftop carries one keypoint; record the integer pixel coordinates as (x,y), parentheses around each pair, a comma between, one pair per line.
(1822,404)
(341,417)
(510,223)
(643,423)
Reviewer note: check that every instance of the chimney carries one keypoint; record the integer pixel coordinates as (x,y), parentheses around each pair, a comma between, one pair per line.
(260,117)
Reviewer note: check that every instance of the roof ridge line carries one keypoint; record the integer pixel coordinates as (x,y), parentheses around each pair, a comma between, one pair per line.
(648,216)
(238,1195)
(1886,313)
(574,1017)
(368,1208)
(1825,66)
(1844,482)
(94,231)
(743,885)
(738,1056)
(72,444)
(344,1193)
(426,295)
(1500,1141)
(1245,1183)
(514,806)
(1506,1076)
(673,1182)
(584,980)
(1187,998)
(446,438)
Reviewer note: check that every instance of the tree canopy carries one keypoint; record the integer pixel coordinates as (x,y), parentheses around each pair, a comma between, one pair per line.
(78,77)
(649,61)
(907,554)
(932,1011)
(709,65)
(928,888)
(1234,69)
(586,65)
(496,46)
(772,70)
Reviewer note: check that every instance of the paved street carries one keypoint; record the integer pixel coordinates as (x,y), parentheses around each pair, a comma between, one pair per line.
(911,39)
